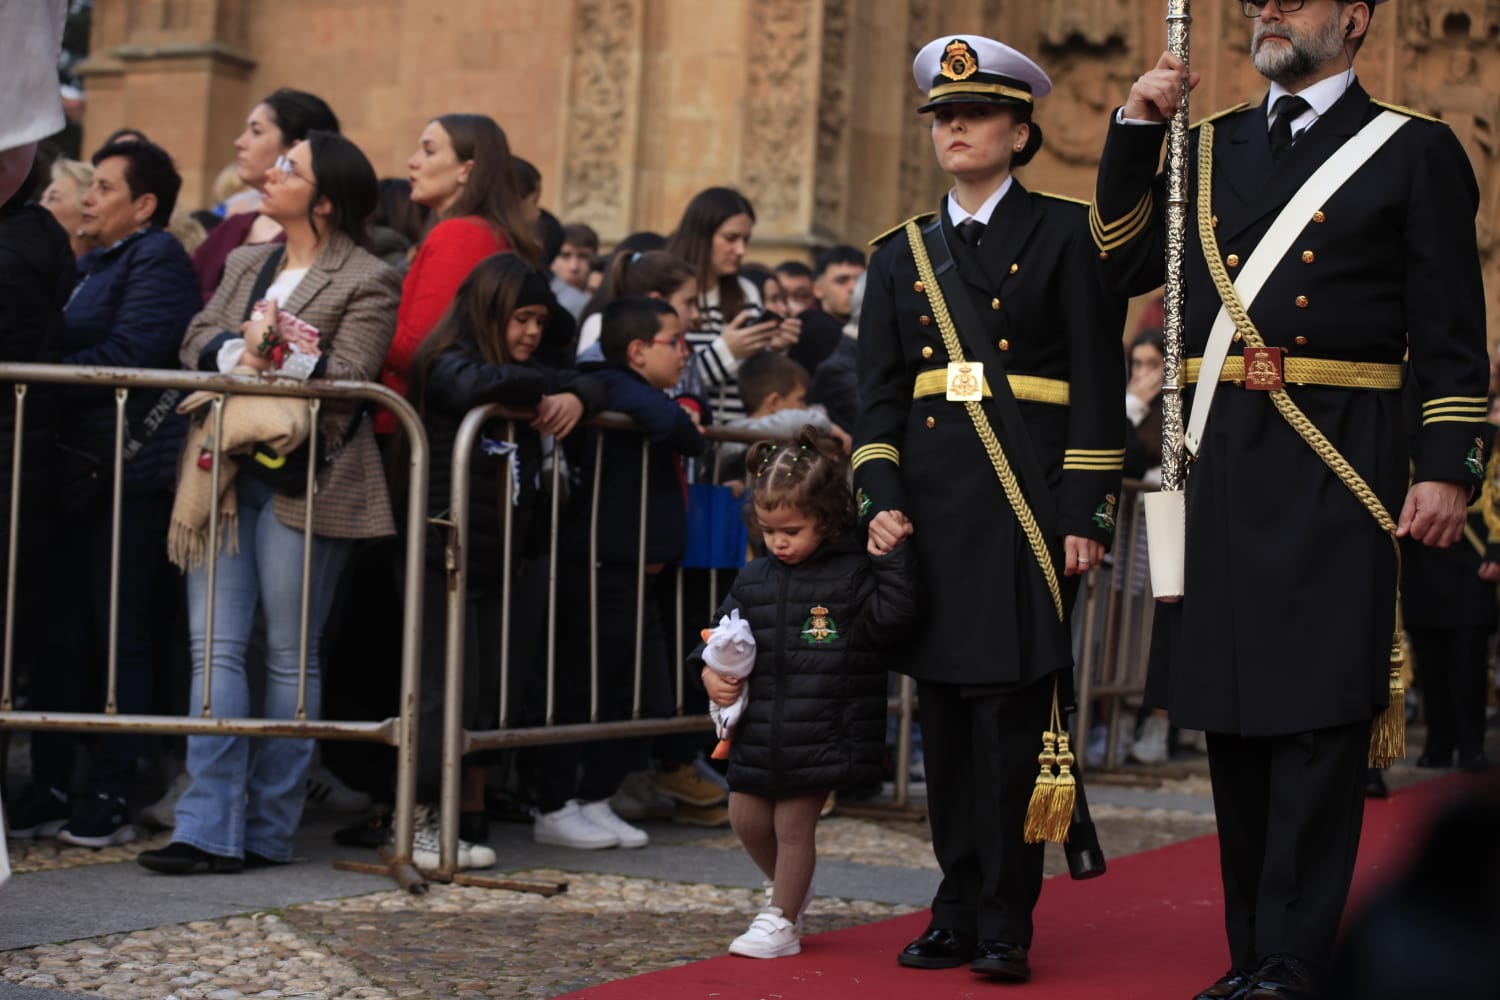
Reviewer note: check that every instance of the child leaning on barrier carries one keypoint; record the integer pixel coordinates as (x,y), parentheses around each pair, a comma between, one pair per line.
(644,353)
(480,352)
(825,607)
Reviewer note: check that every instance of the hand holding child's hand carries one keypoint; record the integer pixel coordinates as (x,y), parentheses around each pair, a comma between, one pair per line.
(557,415)
(721,690)
(846,443)
(887,530)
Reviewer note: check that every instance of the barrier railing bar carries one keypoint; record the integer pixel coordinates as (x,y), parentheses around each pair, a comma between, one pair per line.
(314,407)
(12,545)
(640,577)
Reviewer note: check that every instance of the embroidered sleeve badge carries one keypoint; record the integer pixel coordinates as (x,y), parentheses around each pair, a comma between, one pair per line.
(820,627)
(862,501)
(1474,460)
(1104,514)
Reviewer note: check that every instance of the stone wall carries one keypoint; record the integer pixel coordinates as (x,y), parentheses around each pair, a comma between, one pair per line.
(628,107)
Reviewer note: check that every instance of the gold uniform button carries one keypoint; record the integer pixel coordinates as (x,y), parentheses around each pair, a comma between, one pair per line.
(917,286)
(1104,255)
(1004,345)
(994,303)
(1318,216)
(1233,260)
(1302,302)
(926,352)
(1300,341)
(1014,268)
(931,422)
(1238,336)
(925,320)
(1214,221)
(1308,257)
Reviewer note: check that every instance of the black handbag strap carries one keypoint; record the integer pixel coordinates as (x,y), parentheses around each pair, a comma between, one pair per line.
(264,279)
(1018,439)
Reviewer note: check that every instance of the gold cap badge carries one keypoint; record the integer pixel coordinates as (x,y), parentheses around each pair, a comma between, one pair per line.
(960,61)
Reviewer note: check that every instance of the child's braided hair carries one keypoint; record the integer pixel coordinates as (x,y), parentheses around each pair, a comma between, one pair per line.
(809,474)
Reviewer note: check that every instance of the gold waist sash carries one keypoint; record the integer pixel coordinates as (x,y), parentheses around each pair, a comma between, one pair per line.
(1312,371)
(1028,388)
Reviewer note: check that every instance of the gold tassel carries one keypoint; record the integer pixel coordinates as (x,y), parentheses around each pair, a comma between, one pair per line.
(1038,811)
(1060,810)
(1388,731)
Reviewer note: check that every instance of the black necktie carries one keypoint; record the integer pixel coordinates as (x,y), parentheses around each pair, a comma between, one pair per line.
(970,230)
(1288,106)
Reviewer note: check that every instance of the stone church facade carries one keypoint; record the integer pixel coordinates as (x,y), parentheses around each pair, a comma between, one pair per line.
(628,107)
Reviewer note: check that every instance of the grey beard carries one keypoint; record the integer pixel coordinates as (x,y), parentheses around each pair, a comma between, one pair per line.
(1300,58)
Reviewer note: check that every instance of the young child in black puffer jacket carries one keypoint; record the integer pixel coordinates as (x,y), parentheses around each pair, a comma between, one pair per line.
(825,614)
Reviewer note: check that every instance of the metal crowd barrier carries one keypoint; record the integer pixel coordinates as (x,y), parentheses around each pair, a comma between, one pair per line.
(459,741)
(1113,628)
(398,732)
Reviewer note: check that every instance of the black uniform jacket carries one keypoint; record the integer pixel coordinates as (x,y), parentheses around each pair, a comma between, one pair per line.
(1033,283)
(1290,605)
(815,718)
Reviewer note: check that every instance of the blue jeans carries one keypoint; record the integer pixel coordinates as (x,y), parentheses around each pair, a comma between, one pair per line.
(246,794)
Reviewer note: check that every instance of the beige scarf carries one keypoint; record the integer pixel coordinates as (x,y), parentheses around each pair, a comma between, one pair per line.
(281,423)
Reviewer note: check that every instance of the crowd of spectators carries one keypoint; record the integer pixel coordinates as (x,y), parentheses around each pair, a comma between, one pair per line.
(456,289)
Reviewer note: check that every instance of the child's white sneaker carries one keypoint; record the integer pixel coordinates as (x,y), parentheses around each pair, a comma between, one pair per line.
(601,815)
(771,935)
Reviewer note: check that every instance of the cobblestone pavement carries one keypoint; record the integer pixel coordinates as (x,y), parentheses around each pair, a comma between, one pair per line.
(463,942)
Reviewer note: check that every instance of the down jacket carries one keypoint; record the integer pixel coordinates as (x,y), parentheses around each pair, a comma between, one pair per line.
(815,720)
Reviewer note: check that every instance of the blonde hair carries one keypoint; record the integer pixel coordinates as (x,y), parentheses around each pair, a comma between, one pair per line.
(228,184)
(77,171)
(188,230)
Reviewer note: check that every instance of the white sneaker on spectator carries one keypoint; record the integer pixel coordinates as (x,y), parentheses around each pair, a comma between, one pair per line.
(162,814)
(427,845)
(601,815)
(1150,746)
(771,935)
(569,827)
(324,789)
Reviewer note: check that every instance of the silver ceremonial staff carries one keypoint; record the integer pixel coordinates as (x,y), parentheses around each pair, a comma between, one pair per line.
(1172,455)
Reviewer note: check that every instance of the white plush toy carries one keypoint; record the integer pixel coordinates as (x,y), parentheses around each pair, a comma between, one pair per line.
(729,651)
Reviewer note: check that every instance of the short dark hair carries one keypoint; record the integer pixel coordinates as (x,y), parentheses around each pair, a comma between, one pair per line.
(581,235)
(769,371)
(627,320)
(343,175)
(126,134)
(297,113)
(528,177)
(841,253)
(795,269)
(148,170)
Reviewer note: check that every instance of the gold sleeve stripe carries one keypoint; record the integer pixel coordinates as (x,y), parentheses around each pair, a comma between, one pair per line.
(1093,453)
(1108,236)
(1477,418)
(1455,411)
(1096,465)
(871,452)
(1448,400)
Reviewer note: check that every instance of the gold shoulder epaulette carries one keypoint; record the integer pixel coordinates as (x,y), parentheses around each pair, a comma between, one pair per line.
(1220,114)
(1063,197)
(1414,113)
(896,229)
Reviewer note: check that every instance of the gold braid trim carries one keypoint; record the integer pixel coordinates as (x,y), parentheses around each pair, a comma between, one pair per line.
(982,423)
(1388,740)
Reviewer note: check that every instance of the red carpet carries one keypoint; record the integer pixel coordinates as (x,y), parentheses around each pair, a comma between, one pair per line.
(1151,927)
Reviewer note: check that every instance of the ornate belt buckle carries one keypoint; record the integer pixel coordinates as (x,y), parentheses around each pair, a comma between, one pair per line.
(965,381)
(1263,368)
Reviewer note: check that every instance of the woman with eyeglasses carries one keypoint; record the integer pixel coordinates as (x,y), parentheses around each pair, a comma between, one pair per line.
(279,120)
(320,306)
(464,172)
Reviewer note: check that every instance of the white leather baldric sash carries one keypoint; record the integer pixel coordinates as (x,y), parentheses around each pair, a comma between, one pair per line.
(1272,248)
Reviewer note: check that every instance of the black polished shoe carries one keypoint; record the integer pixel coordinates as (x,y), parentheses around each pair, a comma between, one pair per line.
(1283,977)
(185,859)
(1233,985)
(937,949)
(1002,961)
(1375,785)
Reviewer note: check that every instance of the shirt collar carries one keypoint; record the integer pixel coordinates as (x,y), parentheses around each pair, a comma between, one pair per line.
(1320,97)
(956,213)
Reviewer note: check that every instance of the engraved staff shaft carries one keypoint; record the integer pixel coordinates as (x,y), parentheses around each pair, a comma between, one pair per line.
(1172,454)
